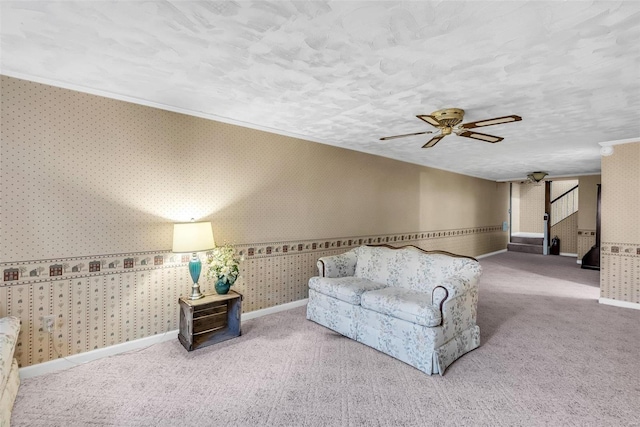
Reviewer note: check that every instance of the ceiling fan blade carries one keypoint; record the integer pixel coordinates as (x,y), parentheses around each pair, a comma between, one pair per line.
(429,119)
(490,122)
(433,141)
(481,136)
(402,136)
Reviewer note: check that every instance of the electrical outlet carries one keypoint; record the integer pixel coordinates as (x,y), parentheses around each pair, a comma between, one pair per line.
(48,323)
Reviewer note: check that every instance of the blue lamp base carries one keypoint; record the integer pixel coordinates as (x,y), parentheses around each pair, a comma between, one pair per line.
(195,265)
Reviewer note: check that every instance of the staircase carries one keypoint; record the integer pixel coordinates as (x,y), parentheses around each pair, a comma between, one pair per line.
(529,245)
(562,207)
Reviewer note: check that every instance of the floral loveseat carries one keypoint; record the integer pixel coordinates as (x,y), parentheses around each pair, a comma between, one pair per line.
(414,305)
(9,379)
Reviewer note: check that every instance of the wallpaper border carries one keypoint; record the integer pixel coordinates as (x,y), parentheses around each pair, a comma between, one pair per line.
(620,249)
(48,270)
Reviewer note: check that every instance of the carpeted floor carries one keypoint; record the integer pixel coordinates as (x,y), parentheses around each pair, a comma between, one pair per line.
(550,355)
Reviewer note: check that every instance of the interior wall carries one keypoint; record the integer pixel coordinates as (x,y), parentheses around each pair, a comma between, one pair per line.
(620,240)
(587,209)
(96,175)
(515,207)
(91,186)
(567,231)
(532,208)
(468,201)
(561,186)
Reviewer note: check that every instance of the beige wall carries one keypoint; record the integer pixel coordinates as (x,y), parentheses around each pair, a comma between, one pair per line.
(587,208)
(567,231)
(588,201)
(88,179)
(94,175)
(515,207)
(531,208)
(620,240)
(450,200)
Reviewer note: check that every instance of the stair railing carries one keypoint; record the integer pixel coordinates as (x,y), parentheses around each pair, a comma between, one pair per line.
(564,205)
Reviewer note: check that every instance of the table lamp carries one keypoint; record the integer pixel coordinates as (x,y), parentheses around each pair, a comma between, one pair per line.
(193,237)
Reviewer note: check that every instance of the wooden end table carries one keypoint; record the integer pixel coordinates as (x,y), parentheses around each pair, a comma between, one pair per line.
(209,320)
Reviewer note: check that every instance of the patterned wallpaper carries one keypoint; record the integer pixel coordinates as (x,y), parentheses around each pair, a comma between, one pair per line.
(531,208)
(588,202)
(91,175)
(136,295)
(586,240)
(515,207)
(620,246)
(567,231)
(620,272)
(587,208)
(90,188)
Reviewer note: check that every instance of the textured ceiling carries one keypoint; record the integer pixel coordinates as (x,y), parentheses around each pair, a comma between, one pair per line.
(347,73)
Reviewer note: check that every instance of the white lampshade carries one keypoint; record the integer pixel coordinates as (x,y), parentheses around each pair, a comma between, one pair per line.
(193,237)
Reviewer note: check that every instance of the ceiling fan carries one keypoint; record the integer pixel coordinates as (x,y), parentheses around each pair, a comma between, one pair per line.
(448,121)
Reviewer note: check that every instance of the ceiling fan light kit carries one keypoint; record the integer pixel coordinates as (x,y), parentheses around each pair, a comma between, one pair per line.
(448,121)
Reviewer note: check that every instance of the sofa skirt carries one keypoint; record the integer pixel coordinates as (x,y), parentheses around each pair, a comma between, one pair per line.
(464,342)
(409,342)
(422,347)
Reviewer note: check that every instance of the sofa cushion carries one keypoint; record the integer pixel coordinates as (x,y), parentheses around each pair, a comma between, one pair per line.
(347,289)
(405,304)
(378,264)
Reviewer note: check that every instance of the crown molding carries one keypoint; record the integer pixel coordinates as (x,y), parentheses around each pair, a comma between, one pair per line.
(619,141)
(550,177)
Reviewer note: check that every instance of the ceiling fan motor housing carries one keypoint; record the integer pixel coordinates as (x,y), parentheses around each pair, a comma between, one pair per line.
(449,116)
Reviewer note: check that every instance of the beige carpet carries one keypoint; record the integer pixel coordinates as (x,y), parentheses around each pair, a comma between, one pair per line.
(550,355)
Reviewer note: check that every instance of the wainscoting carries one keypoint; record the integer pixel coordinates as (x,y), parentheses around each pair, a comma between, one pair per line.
(567,231)
(620,272)
(103,300)
(586,240)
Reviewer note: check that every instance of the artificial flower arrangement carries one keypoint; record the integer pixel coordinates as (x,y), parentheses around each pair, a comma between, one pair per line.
(222,264)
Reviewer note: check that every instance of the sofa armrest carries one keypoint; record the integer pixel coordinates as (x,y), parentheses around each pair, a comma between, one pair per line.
(457,297)
(463,280)
(459,312)
(9,330)
(439,295)
(342,265)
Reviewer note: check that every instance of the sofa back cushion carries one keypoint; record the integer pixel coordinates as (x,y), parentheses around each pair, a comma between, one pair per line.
(377,263)
(423,272)
(412,269)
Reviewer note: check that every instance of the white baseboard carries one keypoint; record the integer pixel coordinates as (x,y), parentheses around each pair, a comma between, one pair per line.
(99,353)
(568,254)
(491,254)
(618,303)
(275,309)
(79,359)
